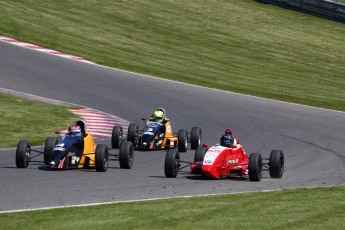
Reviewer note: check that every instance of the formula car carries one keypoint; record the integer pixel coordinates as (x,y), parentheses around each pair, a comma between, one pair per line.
(156,135)
(220,162)
(73,152)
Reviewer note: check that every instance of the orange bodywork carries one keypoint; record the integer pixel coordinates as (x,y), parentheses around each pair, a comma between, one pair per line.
(169,140)
(88,157)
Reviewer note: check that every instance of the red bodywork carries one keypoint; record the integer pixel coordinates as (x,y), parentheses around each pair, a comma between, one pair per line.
(223,162)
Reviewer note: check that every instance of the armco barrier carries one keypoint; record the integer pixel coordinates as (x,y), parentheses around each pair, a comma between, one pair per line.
(321,8)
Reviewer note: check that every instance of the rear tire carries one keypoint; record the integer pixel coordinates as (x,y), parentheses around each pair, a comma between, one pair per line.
(23,154)
(132,132)
(116,137)
(255,167)
(101,158)
(195,138)
(200,154)
(126,155)
(182,140)
(48,148)
(172,163)
(276,164)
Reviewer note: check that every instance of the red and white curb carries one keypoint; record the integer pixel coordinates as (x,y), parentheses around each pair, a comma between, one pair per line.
(42,49)
(99,124)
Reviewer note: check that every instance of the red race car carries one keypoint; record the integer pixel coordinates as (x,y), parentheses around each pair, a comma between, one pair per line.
(226,160)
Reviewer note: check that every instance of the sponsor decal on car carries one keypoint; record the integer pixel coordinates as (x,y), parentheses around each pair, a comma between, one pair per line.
(59,147)
(74,159)
(235,161)
(61,163)
(212,154)
(148,133)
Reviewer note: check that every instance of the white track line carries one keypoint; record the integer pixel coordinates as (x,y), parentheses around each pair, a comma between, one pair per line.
(129,201)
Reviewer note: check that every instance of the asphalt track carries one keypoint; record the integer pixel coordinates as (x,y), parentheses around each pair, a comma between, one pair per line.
(312,139)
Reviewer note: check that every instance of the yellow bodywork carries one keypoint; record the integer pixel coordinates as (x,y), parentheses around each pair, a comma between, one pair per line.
(169,141)
(88,157)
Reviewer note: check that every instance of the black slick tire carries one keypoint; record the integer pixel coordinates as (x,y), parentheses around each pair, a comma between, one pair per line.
(132,132)
(126,155)
(182,140)
(101,158)
(48,148)
(116,137)
(23,154)
(172,163)
(276,164)
(200,154)
(195,138)
(255,167)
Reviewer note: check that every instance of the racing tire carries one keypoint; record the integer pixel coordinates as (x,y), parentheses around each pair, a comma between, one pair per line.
(101,158)
(172,163)
(48,148)
(276,164)
(23,154)
(195,139)
(200,154)
(132,132)
(116,137)
(182,140)
(126,155)
(255,167)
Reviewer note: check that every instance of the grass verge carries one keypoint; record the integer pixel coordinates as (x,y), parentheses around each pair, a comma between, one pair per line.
(320,208)
(22,119)
(241,46)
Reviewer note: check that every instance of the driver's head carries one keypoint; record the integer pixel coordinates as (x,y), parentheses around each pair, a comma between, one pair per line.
(158,115)
(74,130)
(227,140)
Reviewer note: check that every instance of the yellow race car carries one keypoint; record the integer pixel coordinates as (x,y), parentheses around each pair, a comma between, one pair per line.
(156,135)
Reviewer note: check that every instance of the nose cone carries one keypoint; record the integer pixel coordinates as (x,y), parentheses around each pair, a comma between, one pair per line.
(52,164)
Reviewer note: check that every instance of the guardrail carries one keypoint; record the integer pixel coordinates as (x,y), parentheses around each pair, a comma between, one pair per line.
(321,8)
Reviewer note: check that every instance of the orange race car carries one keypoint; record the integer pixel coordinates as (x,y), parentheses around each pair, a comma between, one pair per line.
(76,149)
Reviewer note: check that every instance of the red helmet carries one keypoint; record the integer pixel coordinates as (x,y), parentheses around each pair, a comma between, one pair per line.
(229,131)
(74,130)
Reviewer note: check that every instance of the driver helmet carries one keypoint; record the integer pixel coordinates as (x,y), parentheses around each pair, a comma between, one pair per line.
(227,140)
(74,130)
(158,115)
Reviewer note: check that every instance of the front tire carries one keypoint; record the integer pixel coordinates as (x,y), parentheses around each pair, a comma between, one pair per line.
(200,154)
(276,164)
(116,137)
(48,148)
(195,138)
(182,140)
(23,154)
(126,155)
(172,163)
(132,132)
(255,167)
(101,158)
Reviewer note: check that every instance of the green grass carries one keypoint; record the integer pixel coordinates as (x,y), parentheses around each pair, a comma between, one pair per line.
(321,208)
(22,119)
(240,46)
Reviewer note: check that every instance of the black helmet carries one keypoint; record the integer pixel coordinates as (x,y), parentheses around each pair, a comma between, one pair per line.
(227,140)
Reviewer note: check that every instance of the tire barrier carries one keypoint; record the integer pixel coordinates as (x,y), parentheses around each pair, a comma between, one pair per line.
(321,8)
